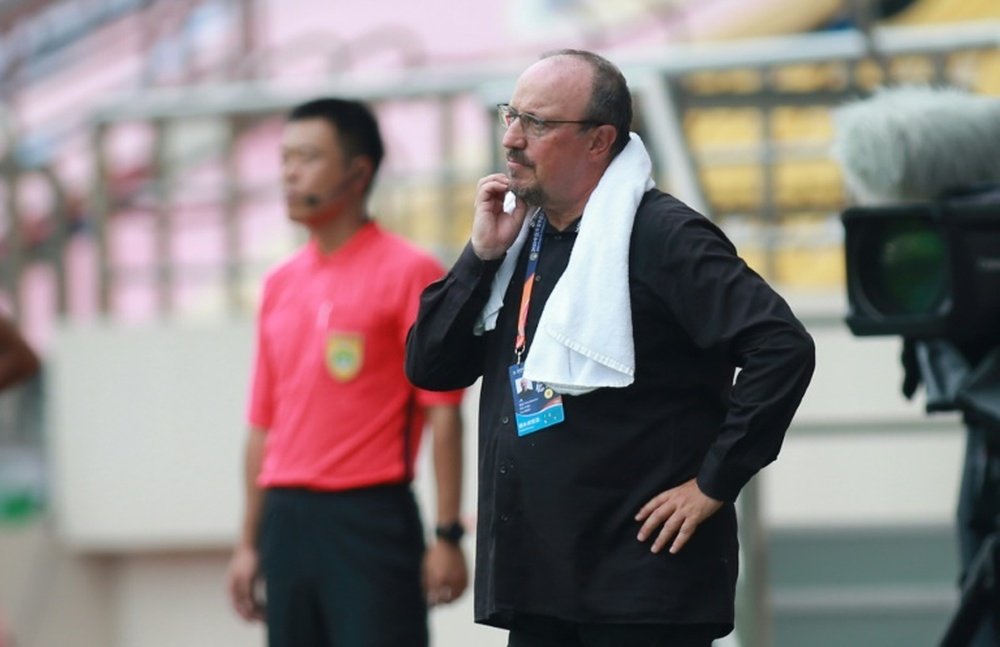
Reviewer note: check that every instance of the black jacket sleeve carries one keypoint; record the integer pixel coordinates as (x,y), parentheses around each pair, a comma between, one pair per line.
(723,305)
(442,351)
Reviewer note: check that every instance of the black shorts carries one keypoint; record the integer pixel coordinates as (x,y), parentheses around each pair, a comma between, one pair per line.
(343,569)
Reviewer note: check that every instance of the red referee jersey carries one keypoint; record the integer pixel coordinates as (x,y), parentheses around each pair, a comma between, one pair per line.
(328,383)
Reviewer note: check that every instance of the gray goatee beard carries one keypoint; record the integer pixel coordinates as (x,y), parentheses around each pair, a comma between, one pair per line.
(534,196)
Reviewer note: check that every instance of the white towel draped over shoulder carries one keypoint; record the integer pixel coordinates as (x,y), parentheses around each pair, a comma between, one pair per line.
(584,336)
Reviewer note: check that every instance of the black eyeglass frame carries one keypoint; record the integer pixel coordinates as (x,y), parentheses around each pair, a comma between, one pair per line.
(536,125)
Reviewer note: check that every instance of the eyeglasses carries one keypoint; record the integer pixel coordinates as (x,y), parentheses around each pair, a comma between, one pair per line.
(535,126)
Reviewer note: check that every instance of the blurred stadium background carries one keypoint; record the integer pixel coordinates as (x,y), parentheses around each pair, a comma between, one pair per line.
(140,206)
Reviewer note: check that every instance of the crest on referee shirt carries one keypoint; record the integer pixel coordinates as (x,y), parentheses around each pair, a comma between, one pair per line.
(345,353)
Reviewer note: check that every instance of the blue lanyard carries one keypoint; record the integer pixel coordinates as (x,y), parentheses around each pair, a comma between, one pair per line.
(529,280)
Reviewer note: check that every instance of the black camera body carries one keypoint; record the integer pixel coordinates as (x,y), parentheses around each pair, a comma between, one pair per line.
(926,270)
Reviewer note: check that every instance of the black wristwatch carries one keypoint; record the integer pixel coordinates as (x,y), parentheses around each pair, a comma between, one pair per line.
(451,533)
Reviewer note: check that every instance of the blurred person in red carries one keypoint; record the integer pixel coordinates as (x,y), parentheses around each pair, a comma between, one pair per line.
(332,532)
(18,361)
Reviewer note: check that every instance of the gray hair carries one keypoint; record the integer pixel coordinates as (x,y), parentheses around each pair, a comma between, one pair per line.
(610,99)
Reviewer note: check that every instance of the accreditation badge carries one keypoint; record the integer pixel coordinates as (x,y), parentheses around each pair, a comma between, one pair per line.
(536,405)
(345,354)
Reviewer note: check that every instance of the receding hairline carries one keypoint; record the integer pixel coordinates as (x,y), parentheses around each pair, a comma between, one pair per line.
(569,68)
(562,59)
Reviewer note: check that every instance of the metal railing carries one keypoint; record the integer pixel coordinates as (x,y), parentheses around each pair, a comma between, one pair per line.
(661,96)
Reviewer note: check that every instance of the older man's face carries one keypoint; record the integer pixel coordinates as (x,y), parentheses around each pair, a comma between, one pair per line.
(544,162)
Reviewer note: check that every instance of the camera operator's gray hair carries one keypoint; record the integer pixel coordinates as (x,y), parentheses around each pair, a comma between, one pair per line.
(610,99)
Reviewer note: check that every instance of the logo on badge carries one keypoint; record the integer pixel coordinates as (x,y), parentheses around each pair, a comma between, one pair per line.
(345,353)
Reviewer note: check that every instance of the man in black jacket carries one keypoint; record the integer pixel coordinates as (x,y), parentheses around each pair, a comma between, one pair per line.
(580,495)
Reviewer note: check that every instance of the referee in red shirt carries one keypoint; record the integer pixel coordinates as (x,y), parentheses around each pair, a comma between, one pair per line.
(331,527)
